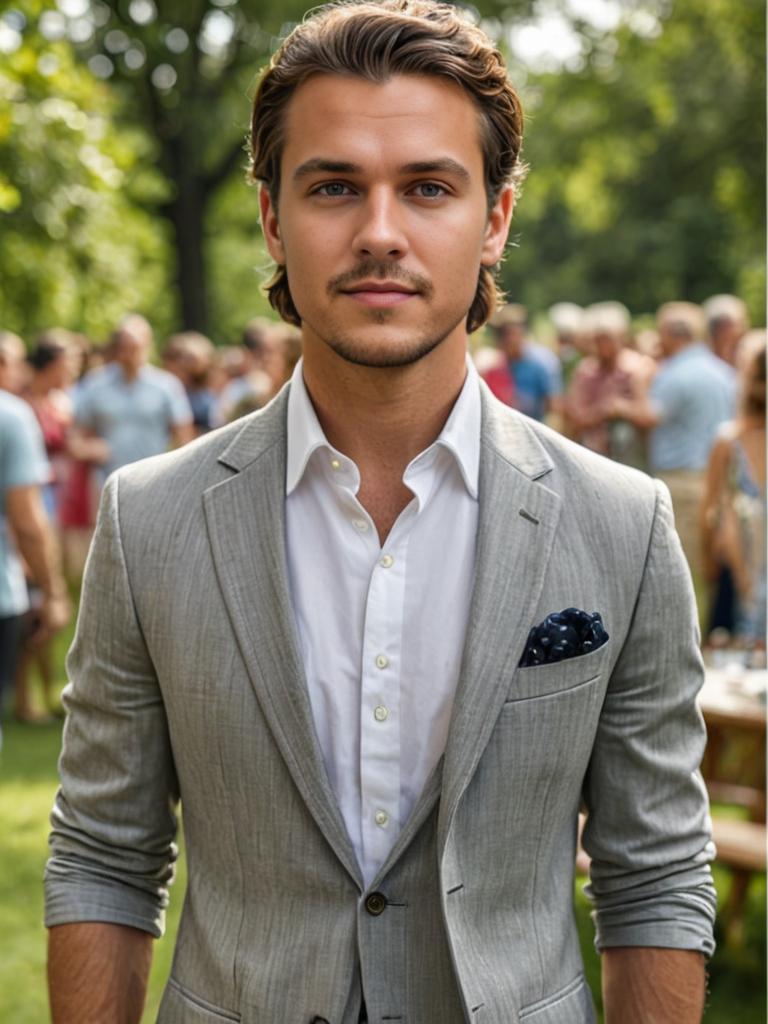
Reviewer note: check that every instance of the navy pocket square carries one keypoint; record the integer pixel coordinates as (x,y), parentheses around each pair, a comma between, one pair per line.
(565,634)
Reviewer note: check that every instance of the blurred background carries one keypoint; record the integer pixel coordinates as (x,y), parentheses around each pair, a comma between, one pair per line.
(130,245)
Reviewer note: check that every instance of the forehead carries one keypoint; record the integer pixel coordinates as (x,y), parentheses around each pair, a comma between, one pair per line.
(405,118)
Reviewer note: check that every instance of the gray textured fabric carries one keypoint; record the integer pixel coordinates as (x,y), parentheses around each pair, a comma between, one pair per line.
(186,681)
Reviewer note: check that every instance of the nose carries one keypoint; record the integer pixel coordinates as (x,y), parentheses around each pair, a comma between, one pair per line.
(380,233)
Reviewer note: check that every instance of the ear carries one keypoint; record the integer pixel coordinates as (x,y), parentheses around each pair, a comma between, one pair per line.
(497,228)
(270,226)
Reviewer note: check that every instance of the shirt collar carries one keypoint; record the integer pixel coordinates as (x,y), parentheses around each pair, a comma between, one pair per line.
(460,436)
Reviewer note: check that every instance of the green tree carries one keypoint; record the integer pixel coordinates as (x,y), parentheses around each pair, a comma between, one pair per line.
(75,248)
(647,177)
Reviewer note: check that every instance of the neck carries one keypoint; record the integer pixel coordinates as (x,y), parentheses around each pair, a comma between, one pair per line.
(382,418)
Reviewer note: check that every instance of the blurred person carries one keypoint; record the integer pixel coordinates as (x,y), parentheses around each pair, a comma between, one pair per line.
(249,381)
(128,410)
(25,532)
(51,363)
(528,376)
(315,624)
(727,322)
(568,321)
(647,343)
(272,352)
(12,362)
(189,355)
(228,363)
(733,511)
(611,373)
(78,484)
(692,394)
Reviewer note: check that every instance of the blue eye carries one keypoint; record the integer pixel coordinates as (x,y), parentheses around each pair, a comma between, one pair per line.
(333,189)
(430,190)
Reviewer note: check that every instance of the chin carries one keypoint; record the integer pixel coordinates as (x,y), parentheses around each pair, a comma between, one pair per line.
(381,348)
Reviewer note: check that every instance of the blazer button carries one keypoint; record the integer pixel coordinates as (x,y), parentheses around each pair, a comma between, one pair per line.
(375,903)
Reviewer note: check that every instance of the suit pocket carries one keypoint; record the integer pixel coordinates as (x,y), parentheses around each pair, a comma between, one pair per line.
(180,1006)
(571,1004)
(549,680)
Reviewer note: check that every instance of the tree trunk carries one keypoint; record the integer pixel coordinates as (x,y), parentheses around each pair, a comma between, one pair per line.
(186,212)
(187,215)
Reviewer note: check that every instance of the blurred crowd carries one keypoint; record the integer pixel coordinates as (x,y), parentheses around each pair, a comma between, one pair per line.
(682,399)
(72,412)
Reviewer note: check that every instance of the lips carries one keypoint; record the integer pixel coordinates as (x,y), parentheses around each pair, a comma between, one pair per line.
(380,293)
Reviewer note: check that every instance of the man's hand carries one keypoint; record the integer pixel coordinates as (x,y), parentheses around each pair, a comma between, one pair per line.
(97,973)
(653,986)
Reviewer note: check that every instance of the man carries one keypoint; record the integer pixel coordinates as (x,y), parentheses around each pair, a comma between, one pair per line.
(612,371)
(529,377)
(567,319)
(727,323)
(128,410)
(692,393)
(24,529)
(316,618)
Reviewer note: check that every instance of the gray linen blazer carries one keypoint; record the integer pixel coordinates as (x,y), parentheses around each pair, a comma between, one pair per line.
(186,682)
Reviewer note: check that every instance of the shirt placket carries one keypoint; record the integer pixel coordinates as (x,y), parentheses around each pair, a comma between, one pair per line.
(380,697)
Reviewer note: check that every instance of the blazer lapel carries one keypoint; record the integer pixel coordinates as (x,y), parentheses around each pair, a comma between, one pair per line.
(245,520)
(517,521)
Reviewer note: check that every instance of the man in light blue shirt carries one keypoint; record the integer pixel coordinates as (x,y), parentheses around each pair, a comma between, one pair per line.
(137,410)
(24,528)
(691,395)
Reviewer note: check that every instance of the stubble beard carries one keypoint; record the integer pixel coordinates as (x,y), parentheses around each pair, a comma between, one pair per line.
(393,352)
(384,353)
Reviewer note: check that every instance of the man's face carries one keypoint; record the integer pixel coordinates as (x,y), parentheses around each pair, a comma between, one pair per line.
(131,351)
(10,372)
(382,220)
(511,340)
(606,345)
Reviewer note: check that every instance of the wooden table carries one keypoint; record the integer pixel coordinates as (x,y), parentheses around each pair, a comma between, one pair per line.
(732,700)
(734,771)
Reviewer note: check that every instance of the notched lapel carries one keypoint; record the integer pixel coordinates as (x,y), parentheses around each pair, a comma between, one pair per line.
(245,521)
(517,521)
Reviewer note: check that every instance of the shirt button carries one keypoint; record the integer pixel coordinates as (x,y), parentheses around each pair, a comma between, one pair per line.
(386,561)
(335,464)
(381,818)
(360,524)
(382,661)
(380,713)
(375,903)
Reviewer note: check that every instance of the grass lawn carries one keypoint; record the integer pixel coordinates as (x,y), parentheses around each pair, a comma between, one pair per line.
(27,786)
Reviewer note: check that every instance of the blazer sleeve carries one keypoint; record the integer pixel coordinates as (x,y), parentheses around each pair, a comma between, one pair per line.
(114,823)
(648,828)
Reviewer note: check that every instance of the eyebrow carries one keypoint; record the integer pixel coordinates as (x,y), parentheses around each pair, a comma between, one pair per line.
(319,165)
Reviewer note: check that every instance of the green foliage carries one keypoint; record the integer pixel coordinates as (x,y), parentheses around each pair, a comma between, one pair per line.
(647,165)
(122,161)
(238,263)
(76,250)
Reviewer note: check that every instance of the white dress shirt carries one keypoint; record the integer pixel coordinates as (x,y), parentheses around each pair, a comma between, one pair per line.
(381,629)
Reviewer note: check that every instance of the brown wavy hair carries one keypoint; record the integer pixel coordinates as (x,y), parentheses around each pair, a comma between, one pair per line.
(375,41)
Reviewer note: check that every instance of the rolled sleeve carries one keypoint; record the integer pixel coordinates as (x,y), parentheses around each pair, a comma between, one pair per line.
(113,820)
(648,828)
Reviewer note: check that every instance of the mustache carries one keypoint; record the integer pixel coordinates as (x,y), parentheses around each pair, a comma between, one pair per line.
(382,271)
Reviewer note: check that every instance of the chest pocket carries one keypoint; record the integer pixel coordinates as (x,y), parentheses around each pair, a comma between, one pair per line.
(539,681)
